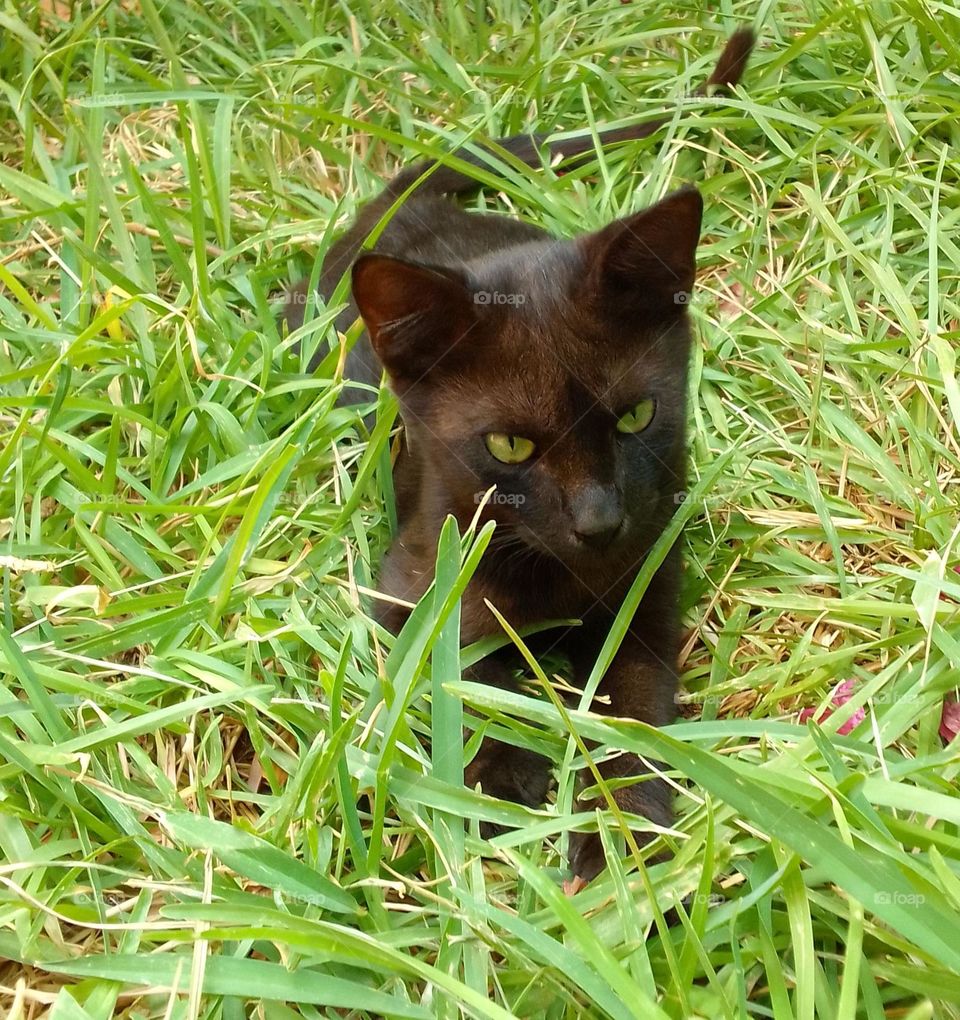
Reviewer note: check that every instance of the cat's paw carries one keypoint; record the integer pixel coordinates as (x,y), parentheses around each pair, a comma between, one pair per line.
(650,798)
(508,773)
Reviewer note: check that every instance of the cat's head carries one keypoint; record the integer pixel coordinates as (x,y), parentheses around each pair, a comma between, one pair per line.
(555,371)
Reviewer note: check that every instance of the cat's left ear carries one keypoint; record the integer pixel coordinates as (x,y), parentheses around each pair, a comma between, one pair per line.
(416,315)
(647,262)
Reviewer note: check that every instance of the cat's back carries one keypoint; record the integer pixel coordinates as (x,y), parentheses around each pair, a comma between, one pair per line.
(431,230)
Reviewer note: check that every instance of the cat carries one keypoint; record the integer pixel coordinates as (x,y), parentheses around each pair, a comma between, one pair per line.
(556,371)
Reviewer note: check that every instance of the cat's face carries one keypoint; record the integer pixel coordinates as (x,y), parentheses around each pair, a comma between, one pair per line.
(555,373)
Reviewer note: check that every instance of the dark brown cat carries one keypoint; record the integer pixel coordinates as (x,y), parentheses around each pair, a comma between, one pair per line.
(555,370)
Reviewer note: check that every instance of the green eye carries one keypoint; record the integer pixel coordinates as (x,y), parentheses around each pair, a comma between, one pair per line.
(637,419)
(509,449)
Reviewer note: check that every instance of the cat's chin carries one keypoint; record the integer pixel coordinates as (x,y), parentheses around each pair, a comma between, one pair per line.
(587,561)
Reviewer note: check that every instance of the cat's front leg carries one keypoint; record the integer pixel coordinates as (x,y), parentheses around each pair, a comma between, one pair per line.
(503,770)
(639,684)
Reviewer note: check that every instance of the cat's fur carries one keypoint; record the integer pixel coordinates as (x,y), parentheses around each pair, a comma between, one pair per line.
(588,328)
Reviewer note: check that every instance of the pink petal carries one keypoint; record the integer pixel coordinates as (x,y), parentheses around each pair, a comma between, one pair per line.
(842,693)
(852,723)
(950,719)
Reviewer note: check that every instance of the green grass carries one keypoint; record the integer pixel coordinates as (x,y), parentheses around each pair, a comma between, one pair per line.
(193,696)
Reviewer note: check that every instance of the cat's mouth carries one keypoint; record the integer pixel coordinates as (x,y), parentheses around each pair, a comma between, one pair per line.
(572,548)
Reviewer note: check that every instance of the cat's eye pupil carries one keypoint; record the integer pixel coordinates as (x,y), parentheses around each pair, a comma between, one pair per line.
(638,417)
(509,449)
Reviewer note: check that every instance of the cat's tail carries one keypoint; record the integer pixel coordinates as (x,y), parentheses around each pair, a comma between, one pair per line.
(529,149)
(533,149)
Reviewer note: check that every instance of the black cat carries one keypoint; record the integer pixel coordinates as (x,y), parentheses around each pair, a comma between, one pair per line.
(555,370)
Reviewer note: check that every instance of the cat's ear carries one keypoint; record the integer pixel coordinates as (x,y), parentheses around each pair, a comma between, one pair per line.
(647,262)
(415,314)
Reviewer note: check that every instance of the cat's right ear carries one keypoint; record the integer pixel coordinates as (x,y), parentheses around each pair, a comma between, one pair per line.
(646,263)
(415,315)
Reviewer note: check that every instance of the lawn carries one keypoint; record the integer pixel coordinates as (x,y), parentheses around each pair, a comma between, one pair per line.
(221,790)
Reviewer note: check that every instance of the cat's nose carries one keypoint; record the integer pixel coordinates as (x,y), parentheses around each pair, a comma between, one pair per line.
(599,537)
(597,516)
